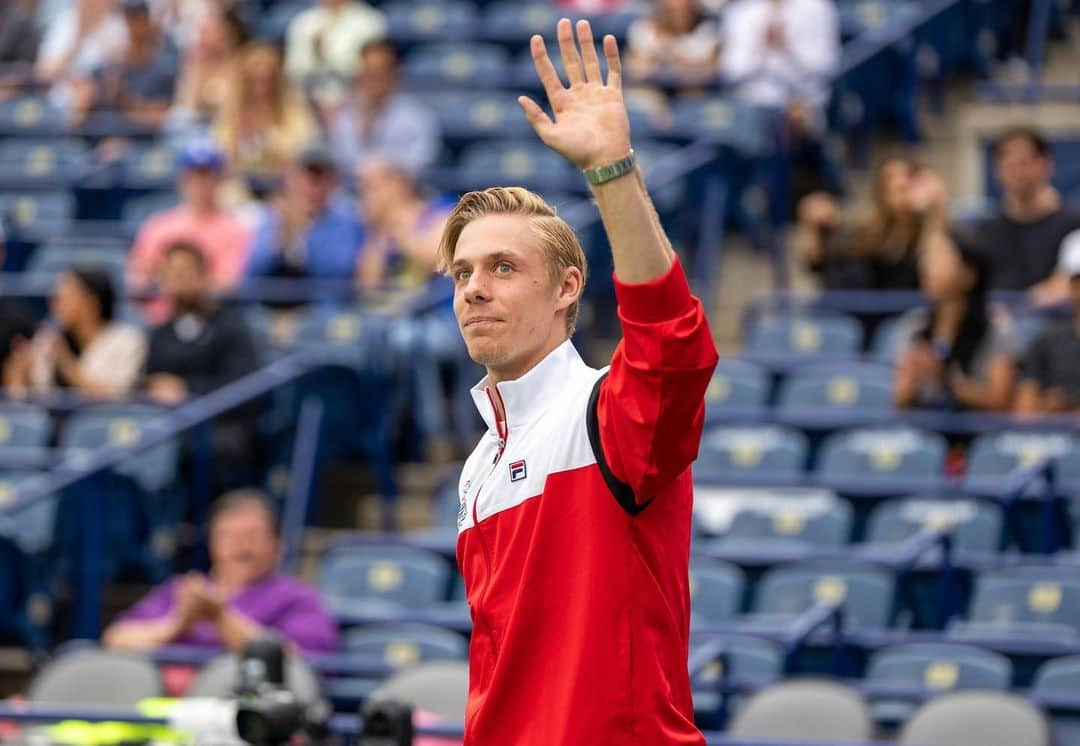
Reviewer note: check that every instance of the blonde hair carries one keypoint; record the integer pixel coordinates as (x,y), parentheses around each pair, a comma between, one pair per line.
(557,238)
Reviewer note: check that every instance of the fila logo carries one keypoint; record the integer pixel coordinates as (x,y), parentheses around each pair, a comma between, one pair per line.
(517,471)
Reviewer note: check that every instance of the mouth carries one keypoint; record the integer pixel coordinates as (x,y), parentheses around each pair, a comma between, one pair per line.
(481,322)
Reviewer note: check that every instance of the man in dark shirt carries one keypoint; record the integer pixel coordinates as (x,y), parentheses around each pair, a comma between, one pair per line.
(1050,372)
(1024,238)
(138,88)
(201,348)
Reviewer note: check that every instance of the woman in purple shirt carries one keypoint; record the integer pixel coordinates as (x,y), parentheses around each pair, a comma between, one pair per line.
(242,595)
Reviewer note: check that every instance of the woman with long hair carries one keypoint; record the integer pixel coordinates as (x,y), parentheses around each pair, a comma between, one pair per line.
(959,353)
(876,252)
(677,38)
(85,349)
(209,62)
(264,121)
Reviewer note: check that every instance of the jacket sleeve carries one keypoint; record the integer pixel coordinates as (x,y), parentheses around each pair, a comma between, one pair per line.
(650,408)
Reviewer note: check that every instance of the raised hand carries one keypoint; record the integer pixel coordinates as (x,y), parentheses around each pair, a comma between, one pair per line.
(591,127)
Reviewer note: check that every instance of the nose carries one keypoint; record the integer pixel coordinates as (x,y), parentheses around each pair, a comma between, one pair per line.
(476,290)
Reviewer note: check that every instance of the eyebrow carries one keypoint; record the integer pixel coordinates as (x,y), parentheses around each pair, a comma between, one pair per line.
(494,257)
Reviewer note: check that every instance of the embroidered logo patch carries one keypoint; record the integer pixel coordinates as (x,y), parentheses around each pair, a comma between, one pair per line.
(517,471)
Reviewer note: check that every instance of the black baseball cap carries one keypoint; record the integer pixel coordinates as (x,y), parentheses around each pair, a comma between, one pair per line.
(317,157)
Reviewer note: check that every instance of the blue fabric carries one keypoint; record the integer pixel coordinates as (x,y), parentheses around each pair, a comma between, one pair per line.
(331,246)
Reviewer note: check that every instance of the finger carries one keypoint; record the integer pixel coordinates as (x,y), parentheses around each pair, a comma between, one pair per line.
(549,78)
(570,57)
(614,64)
(588,53)
(537,117)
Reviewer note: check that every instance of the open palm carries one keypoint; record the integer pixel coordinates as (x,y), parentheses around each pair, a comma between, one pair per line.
(591,127)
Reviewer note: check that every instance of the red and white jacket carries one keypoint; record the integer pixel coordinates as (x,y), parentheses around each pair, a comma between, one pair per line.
(574,536)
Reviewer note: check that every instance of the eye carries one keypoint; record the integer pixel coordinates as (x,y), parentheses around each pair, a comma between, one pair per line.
(504,268)
(462,275)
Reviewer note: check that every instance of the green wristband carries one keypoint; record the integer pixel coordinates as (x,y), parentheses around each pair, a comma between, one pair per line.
(604,174)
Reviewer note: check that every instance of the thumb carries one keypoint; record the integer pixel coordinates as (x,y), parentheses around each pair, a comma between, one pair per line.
(539,120)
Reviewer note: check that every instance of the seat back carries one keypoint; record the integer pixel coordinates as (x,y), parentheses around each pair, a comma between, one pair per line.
(866,592)
(976,719)
(786,335)
(736,386)
(406,644)
(716,589)
(77,679)
(753,450)
(460,64)
(976,526)
(24,426)
(438,688)
(859,388)
(815,524)
(880,453)
(402,576)
(805,710)
(1026,595)
(939,667)
(220,677)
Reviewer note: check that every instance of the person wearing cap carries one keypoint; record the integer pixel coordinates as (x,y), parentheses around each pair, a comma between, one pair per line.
(199,219)
(1050,371)
(305,233)
(137,89)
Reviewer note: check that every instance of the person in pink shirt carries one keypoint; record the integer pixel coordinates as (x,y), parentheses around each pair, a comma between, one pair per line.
(200,220)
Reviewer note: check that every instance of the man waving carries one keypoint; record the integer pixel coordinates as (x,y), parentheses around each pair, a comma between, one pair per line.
(575,517)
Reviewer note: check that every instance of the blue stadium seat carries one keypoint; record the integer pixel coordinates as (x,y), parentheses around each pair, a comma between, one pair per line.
(378,582)
(886,345)
(716,590)
(997,455)
(784,339)
(24,426)
(467,66)
(931,667)
(515,23)
(882,461)
(29,114)
(471,115)
(976,526)
(753,661)
(1057,680)
(1024,603)
(865,591)
(721,121)
(142,501)
(274,24)
(423,21)
(737,389)
(873,17)
(51,260)
(37,214)
(827,391)
(790,523)
(526,163)
(39,163)
(150,166)
(405,644)
(764,453)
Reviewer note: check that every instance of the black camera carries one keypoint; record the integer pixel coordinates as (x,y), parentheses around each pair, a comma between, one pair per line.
(386,723)
(267,713)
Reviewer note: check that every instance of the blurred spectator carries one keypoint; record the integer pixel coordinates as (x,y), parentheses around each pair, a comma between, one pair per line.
(87,35)
(403,227)
(877,252)
(202,347)
(139,87)
(776,51)
(1050,371)
(324,44)
(87,351)
(304,234)
(200,219)
(264,121)
(209,62)
(379,120)
(19,32)
(956,354)
(183,19)
(242,595)
(1023,239)
(677,38)
(16,321)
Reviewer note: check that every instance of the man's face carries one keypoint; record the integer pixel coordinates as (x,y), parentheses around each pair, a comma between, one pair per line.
(504,298)
(378,73)
(182,277)
(316,185)
(1021,170)
(243,547)
(139,25)
(199,186)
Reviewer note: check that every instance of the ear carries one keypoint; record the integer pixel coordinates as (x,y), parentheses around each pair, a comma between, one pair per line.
(569,288)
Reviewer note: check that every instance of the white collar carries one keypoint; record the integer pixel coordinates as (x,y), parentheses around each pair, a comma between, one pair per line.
(527,397)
